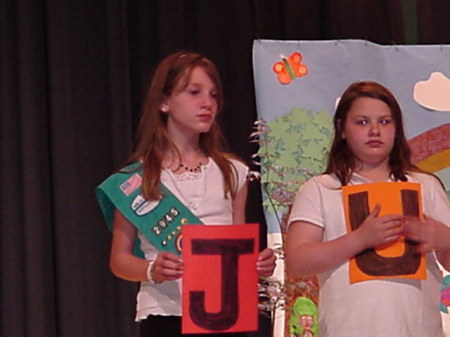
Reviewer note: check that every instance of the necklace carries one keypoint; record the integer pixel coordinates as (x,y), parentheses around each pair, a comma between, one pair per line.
(197,168)
(189,186)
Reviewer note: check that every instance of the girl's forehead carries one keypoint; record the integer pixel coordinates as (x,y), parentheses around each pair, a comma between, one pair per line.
(196,75)
(369,105)
(188,73)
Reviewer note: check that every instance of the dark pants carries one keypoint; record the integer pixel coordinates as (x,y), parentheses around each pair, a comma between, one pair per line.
(170,326)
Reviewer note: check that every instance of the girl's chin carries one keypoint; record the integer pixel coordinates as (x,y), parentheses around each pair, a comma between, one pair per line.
(374,161)
(205,129)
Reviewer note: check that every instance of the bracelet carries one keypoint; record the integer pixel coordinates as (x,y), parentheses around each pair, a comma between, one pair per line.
(149,273)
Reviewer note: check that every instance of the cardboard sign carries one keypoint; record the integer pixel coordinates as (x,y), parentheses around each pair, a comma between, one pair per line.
(399,259)
(220,281)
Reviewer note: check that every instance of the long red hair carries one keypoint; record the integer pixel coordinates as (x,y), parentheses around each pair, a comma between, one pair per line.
(153,141)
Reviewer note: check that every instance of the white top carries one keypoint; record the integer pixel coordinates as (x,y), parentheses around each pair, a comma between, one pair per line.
(202,193)
(376,308)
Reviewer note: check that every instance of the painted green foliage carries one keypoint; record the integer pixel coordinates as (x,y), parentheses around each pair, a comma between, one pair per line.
(293,148)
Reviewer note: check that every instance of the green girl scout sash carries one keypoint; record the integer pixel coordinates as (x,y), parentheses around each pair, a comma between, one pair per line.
(159,221)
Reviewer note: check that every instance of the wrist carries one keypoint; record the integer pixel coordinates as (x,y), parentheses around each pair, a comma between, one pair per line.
(150,273)
(358,241)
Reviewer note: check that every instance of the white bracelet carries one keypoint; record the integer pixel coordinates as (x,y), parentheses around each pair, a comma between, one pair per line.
(149,272)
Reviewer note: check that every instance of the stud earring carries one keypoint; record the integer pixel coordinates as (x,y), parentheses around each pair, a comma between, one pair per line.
(165,108)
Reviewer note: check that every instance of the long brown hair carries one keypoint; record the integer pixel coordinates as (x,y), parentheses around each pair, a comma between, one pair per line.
(153,140)
(341,160)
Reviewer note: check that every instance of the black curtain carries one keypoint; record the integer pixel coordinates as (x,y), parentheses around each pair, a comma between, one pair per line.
(72,78)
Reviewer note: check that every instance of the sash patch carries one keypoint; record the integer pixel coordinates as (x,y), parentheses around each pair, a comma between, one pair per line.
(131,184)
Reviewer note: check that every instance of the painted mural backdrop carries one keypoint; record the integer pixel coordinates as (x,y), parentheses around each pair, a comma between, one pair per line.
(297,86)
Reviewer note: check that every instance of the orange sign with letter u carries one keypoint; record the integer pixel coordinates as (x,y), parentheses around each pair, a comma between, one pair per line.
(400,259)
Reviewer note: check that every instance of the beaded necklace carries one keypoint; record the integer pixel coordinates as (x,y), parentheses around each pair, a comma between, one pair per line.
(197,168)
(189,185)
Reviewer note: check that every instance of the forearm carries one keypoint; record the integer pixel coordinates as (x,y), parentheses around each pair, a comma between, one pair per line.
(444,259)
(307,259)
(122,262)
(128,267)
(442,248)
(438,239)
(308,254)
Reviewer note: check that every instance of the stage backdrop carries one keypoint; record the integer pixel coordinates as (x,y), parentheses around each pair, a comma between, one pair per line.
(297,86)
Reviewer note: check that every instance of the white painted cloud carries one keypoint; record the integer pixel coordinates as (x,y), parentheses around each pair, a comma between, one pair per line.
(434,93)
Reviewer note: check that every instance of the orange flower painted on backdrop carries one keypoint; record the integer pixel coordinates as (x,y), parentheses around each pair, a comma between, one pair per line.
(289,68)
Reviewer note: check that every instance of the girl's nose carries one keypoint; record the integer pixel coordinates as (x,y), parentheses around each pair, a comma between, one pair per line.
(207,102)
(374,129)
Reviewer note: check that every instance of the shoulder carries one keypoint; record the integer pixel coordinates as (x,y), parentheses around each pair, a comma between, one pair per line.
(235,160)
(427,180)
(313,199)
(318,188)
(131,170)
(132,167)
(240,166)
(237,166)
(323,181)
(433,189)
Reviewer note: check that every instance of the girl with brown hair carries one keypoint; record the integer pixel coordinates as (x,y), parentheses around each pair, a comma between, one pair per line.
(369,146)
(179,156)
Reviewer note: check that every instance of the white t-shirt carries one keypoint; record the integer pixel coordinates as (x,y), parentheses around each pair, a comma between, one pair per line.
(376,308)
(202,193)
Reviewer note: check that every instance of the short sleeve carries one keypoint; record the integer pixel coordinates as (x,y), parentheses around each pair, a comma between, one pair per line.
(242,173)
(308,204)
(436,203)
